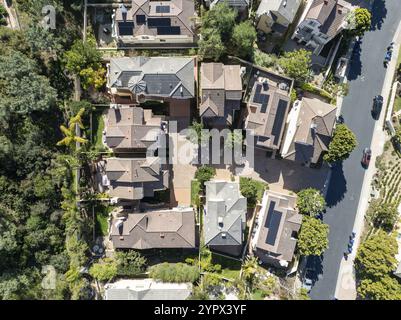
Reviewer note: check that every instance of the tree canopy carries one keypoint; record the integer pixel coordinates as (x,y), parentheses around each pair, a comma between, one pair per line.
(313,237)
(376,256)
(359,21)
(297,64)
(385,288)
(343,143)
(130,263)
(205,173)
(243,38)
(310,201)
(383,215)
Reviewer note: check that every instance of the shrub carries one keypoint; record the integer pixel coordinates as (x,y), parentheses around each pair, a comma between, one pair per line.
(174,272)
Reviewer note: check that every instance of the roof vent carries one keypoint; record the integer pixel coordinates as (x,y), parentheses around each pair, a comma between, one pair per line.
(224,235)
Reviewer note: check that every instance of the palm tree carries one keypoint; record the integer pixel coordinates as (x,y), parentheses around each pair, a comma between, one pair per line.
(249,269)
(77,119)
(70,136)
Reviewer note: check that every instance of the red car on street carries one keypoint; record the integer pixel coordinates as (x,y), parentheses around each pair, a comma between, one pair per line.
(367,154)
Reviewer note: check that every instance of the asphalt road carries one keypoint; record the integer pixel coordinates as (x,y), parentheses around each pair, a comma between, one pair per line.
(366,79)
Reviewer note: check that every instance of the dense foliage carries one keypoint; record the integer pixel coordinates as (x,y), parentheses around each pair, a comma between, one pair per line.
(313,238)
(40,225)
(343,143)
(310,201)
(297,64)
(130,263)
(205,173)
(174,272)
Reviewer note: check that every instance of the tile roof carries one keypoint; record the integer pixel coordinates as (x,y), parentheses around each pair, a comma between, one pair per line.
(330,14)
(274,234)
(135,178)
(219,84)
(155,229)
(132,128)
(310,134)
(146,289)
(180,13)
(267,118)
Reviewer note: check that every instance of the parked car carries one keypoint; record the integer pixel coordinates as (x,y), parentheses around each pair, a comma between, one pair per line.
(377,106)
(367,154)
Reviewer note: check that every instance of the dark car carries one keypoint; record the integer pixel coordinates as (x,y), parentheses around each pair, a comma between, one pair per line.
(377,106)
(367,154)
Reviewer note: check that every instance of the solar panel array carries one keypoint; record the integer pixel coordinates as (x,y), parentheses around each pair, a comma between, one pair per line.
(272,223)
(168,31)
(140,19)
(126,28)
(162,9)
(260,98)
(279,120)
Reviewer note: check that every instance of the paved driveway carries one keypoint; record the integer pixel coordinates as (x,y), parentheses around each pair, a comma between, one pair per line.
(366,78)
(284,174)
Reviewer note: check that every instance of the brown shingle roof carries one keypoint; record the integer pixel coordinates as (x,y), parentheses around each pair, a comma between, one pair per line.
(156,229)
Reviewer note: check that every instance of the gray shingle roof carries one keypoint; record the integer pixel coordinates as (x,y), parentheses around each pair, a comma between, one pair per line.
(286,8)
(224,213)
(156,76)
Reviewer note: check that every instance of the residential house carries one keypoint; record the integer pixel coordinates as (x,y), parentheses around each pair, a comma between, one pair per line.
(239,5)
(324,20)
(276,229)
(133,80)
(267,110)
(150,23)
(146,289)
(133,129)
(310,126)
(221,93)
(158,229)
(224,218)
(275,16)
(134,178)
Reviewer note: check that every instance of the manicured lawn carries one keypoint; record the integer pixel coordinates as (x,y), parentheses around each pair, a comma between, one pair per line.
(397,104)
(97,128)
(257,295)
(195,190)
(102,213)
(230,268)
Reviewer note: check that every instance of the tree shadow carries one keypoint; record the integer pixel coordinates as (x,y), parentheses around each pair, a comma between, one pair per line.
(337,186)
(379,13)
(314,267)
(356,63)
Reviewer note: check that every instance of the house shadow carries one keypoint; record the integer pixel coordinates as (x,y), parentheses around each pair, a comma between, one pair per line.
(379,13)
(355,69)
(337,186)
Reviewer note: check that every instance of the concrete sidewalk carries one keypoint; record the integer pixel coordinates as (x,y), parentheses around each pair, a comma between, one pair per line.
(346,286)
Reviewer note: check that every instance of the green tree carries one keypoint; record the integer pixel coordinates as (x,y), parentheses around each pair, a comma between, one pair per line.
(297,64)
(174,272)
(249,270)
(220,18)
(383,215)
(359,21)
(70,137)
(130,263)
(251,189)
(263,59)
(210,45)
(310,201)
(3,15)
(385,288)
(343,143)
(243,38)
(205,173)
(17,72)
(104,270)
(313,238)
(82,55)
(376,256)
